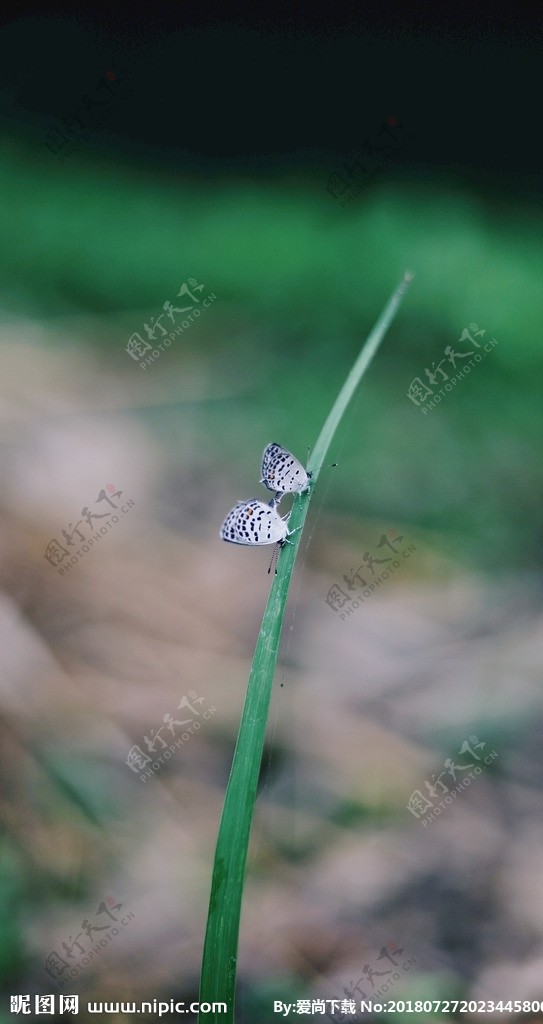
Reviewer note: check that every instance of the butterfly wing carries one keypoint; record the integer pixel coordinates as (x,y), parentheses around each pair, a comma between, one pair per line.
(253,523)
(281,471)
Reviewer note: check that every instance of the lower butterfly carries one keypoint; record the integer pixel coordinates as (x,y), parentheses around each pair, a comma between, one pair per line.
(253,522)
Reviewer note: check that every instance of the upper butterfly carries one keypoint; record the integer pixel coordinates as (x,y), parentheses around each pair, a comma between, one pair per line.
(282,473)
(253,522)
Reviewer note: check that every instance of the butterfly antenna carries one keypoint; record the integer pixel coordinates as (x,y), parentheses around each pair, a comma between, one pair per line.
(326,467)
(275,554)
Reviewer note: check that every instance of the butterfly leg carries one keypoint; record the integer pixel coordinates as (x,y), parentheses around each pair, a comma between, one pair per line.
(287,541)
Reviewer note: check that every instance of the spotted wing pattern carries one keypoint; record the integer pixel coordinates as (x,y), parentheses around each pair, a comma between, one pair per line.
(281,472)
(253,522)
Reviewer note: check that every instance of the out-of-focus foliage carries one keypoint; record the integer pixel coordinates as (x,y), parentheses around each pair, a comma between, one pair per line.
(298,279)
(371,706)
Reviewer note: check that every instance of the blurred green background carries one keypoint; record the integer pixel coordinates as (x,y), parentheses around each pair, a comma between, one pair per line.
(218,137)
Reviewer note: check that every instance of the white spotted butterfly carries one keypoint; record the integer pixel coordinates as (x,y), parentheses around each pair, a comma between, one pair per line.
(282,473)
(253,522)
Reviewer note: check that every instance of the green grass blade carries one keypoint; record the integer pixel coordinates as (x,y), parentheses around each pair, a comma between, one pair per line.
(218,977)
